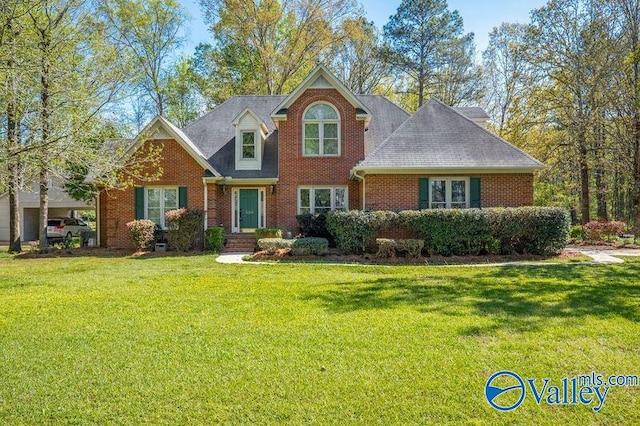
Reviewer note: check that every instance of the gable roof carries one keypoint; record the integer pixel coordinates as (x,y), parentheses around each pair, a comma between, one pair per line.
(438,138)
(474,113)
(214,133)
(326,79)
(160,123)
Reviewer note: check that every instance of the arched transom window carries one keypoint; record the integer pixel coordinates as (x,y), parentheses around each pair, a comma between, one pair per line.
(321,131)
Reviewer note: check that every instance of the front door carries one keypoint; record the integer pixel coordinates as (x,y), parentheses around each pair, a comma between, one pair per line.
(248,209)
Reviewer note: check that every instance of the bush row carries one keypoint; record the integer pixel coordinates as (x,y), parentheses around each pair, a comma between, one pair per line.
(534,230)
(298,246)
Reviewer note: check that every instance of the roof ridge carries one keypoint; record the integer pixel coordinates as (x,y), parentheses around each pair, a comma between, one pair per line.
(484,129)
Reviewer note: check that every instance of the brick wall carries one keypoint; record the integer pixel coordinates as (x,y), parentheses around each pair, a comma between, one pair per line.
(296,170)
(117,206)
(400,192)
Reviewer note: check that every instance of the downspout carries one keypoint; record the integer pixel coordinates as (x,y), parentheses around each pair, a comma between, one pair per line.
(206,203)
(98,221)
(364,192)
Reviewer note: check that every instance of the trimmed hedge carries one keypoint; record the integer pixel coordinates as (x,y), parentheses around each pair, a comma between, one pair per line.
(185,228)
(298,246)
(214,239)
(390,247)
(268,233)
(141,233)
(601,231)
(533,230)
(354,231)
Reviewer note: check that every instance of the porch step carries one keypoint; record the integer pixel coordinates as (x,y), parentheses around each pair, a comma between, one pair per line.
(240,243)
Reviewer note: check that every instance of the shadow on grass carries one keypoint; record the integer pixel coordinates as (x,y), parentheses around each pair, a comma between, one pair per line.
(515,298)
(106,253)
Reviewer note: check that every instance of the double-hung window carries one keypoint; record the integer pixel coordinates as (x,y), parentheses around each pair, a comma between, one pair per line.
(158,201)
(449,193)
(317,200)
(248,145)
(321,131)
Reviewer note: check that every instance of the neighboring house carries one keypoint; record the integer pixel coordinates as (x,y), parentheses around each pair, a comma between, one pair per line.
(258,161)
(60,205)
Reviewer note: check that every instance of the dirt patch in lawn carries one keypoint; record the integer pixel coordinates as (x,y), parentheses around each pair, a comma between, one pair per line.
(335,257)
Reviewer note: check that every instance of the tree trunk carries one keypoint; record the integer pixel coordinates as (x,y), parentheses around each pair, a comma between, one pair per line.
(14,206)
(14,161)
(45,115)
(584,180)
(599,176)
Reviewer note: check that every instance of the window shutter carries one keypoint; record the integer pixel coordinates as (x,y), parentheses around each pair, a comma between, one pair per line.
(138,199)
(182,197)
(475,193)
(424,193)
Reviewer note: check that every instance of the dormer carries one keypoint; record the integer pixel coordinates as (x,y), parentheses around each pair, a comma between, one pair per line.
(251,133)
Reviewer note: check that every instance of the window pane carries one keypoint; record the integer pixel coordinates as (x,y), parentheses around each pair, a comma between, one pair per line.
(330,131)
(154,215)
(312,146)
(458,192)
(170,199)
(438,191)
(305,203)
(248,145)
(153,197)
(340,200)
(321,112)
(330,147)
(322,200)
(311,131)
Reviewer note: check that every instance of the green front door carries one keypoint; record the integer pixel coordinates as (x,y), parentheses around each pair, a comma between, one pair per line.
(248,209)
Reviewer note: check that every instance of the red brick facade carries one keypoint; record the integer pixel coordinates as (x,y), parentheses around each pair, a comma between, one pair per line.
(400,192)
(296,170)
(117,207)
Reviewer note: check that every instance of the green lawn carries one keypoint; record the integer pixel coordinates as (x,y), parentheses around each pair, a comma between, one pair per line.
(184,340)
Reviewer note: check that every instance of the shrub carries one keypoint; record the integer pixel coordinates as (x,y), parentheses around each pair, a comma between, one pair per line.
(272,245)
(185,228)
(298,247)
(451,232)
(310,245)
(576,232)
(214,239)
(354,230)
(599,231)
(312,225)
(268,233)
(141,233)
(390,247)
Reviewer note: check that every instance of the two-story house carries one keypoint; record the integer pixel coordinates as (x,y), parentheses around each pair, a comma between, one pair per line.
(258,161)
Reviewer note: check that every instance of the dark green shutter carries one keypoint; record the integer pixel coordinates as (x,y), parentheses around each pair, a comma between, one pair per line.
(182,197)
(424,194)
(138,199)
(475,193)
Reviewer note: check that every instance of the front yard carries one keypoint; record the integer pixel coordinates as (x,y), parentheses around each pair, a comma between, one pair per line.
(186,340)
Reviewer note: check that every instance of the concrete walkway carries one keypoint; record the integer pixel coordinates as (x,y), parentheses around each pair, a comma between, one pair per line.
(599,257)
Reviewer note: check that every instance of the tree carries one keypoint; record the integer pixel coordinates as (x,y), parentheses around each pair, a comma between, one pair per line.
(148,30)
(570,45)
(421,38)
(506,72)
(358,59)
(269,46)
(183,101)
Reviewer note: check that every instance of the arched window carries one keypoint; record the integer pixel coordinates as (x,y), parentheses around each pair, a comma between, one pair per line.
(321,134)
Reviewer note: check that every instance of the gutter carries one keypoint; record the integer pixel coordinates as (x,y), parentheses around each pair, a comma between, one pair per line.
(360,178)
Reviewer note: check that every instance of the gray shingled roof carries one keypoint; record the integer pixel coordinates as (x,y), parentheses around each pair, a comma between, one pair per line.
(214,133)
(439,137)
(473,113)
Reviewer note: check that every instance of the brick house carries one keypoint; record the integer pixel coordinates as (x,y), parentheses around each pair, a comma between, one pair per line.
(258,161)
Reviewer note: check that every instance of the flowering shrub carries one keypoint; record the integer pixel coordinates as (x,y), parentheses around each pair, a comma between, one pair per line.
(141,233)
(599,231)
(185,228)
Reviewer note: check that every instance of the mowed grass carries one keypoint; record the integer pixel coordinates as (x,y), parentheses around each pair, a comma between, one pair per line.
(184,340)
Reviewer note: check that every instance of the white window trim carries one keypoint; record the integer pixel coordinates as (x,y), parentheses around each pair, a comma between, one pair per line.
(447,186)
(235,208)
(249,163)
(321,131)
(312,189)
(163,212)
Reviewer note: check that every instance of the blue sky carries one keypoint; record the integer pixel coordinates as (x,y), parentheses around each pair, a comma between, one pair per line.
(480,16)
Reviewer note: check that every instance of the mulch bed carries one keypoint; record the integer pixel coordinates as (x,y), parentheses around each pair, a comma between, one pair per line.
(335,257)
